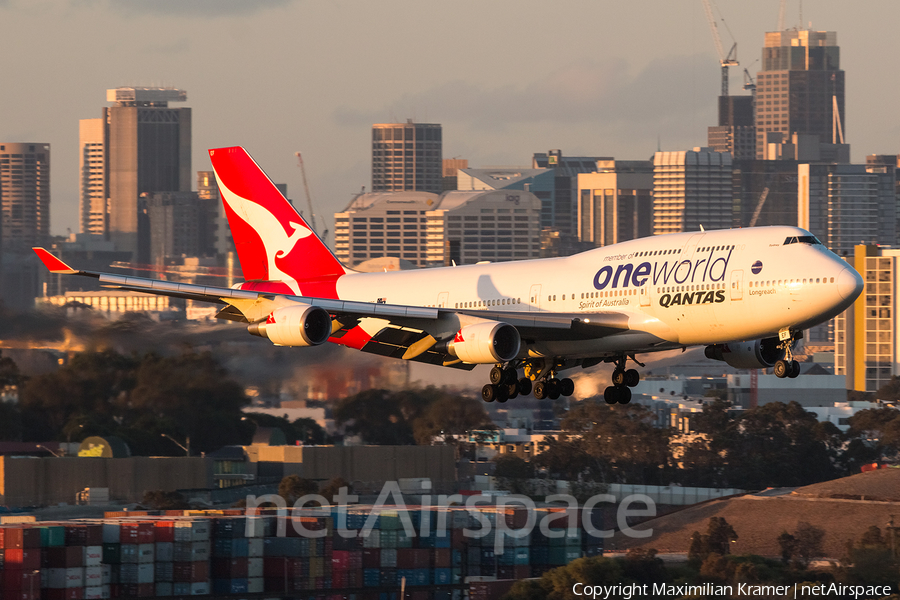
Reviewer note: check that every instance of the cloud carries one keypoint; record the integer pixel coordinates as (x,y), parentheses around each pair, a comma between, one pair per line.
(583,91)
(193,8)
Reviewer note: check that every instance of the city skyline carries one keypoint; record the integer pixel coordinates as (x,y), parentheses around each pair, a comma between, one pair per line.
(282,76)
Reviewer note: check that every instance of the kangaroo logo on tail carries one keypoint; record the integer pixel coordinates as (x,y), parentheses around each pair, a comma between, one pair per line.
(272,240)
(275,239)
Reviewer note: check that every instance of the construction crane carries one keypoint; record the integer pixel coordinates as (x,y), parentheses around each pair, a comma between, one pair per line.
(726,60)
(759,207)
(312,214)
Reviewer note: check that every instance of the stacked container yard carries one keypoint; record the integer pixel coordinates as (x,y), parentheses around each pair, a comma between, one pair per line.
(231,555)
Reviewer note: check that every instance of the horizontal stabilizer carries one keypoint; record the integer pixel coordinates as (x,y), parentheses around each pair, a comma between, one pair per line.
(53,264)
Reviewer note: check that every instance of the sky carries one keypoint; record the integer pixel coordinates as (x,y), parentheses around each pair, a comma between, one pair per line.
(505,78)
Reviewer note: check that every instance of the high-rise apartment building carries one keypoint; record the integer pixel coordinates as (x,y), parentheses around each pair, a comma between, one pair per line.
(844,205)
(407,157)
(867,347)
(24,194)
(615,204)
(800,88)
(92,177)
(691,189)
(140,146)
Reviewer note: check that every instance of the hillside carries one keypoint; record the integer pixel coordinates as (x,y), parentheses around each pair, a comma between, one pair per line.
(759,519)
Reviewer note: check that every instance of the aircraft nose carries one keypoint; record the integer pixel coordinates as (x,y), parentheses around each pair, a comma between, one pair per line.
(850,284)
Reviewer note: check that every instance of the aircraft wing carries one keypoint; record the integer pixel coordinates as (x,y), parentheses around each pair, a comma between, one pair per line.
(395,328)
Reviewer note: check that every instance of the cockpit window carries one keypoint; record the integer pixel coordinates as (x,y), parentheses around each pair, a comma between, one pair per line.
(802,239)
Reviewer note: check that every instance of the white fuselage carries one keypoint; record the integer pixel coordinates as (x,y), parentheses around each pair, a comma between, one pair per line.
(676,290)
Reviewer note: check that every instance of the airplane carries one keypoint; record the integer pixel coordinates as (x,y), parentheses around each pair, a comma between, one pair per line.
(745,294)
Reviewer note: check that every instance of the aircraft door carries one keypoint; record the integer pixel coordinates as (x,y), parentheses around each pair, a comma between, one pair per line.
(645,294)
(534,297)
(443,297)
(737,282)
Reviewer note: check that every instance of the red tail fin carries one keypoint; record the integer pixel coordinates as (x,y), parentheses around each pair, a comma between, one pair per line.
(272,240)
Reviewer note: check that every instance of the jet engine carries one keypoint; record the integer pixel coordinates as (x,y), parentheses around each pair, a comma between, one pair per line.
(295,326)
(485,343)
(753,354)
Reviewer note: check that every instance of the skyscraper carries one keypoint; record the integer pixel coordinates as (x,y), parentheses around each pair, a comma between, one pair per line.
(24,194)
(407,157)
(142,146)
(24,219)
(92,177)
(691,189)
(800,88)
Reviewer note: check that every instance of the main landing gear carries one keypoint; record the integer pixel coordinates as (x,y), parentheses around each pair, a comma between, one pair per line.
(622,380)
(506,384)
(787,366)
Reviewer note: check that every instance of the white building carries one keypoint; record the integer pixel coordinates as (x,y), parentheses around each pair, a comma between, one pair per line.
(691,189)
(430,230)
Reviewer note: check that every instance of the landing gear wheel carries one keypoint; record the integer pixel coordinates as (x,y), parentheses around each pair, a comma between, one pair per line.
(497,375)
(502,393)
(795,370)
(509,375)
(610,395)
(781,368)
(624,395)
(524,386)
(632,378)
(540,390)
(553,386)
(489,393)
(512,390)
(566,387)
(618,377)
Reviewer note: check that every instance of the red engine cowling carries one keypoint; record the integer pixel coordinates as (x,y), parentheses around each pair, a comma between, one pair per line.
(486,343)
(295,326)
(753,354)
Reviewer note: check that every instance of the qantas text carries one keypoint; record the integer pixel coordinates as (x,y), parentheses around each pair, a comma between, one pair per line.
(703,268)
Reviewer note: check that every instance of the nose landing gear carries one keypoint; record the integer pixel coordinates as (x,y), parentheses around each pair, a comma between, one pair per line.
(787,366)
(622,380)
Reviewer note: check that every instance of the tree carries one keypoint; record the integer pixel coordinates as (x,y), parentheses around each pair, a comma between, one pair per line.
(309,432)
(881,424)
(889,392)
(138,399)
(513,473)
(9,372)
(165,500)
(332,488)
(294,487)
(375,415)
(777,445)
(717,540)
(809,542)
(619,443)
(788,545)
(449,415)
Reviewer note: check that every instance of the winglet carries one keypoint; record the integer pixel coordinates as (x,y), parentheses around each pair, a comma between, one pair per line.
(53,264)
